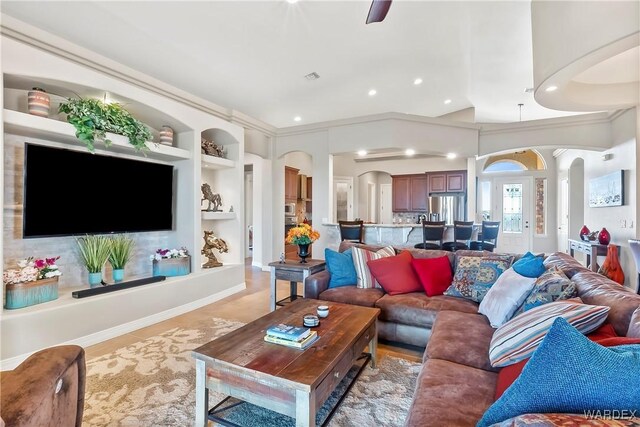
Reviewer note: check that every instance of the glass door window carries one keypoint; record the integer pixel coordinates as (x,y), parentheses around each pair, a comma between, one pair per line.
(512,208)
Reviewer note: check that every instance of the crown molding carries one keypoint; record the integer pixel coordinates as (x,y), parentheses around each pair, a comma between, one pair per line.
(323,126)
(553,123)
(47,42)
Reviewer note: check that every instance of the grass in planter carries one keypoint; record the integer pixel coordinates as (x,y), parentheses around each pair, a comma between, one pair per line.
(94,251)
(120,251)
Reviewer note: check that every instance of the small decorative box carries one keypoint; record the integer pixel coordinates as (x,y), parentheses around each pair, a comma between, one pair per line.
(172,266)
(20,295)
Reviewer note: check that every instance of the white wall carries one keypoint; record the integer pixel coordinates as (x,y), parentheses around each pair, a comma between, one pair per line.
(624,151)
(301,161)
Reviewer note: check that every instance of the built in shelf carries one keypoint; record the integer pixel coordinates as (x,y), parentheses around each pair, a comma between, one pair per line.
(218,215)
(28,125)
(213,162)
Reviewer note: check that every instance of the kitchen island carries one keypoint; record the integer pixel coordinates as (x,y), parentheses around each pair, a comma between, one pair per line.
(398,235)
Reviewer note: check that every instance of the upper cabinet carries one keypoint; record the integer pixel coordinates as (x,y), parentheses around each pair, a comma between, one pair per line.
(447,182)
(409,193)
(290,184)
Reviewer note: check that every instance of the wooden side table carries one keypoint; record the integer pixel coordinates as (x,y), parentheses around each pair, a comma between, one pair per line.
(592,249)
(294,272)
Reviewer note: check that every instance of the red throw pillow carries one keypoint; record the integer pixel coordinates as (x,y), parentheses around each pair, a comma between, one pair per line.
(435,274)
(395,274)
(605,335)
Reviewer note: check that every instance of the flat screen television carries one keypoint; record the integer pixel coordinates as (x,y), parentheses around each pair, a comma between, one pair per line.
(69,192)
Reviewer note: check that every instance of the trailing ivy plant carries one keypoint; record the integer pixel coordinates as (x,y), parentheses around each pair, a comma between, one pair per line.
(92,118)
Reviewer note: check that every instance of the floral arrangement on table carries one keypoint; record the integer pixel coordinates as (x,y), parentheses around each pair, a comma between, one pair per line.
(170,253)
(31,269)
(302,234)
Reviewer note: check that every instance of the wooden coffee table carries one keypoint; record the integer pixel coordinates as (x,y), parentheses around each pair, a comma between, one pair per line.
(286,380)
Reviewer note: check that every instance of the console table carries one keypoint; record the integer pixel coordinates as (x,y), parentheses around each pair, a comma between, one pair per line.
(592,249)
(294,272)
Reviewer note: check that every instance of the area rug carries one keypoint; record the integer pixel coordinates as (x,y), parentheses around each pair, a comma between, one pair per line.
(152,383)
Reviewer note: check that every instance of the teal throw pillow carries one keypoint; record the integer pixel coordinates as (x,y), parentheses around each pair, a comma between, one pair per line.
(340,265)
(529,265)
(569,373)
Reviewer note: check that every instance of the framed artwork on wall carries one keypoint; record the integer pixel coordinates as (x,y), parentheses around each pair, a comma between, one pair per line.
(607,190)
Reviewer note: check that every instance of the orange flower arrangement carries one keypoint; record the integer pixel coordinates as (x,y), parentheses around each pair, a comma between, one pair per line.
(302,234)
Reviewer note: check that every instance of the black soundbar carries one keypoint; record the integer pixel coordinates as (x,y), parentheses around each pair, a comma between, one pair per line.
(116,287)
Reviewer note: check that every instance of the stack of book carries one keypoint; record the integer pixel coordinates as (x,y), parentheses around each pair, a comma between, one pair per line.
(291,336)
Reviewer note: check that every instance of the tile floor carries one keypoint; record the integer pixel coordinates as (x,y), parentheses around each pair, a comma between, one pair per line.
(244,306)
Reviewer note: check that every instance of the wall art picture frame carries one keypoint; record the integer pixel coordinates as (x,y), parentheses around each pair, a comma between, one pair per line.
(607,190)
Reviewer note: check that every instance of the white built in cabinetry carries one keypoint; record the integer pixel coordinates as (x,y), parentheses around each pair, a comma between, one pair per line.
(90,320)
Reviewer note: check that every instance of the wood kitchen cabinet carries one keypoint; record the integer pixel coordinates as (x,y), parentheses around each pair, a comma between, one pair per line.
(290,184)
(447,182)
(309,203)
(409,193)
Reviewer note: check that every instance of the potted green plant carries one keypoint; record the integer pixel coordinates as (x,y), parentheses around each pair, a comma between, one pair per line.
(92,118)
(94,251)
(120,250)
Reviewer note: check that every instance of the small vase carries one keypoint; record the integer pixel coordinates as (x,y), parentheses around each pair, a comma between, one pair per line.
(38,102)
(166,135)
(95,280)
(303,252)
(118,275)
(584,233)
(604,237)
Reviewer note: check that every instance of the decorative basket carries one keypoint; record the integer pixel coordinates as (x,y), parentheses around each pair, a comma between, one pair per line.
(25,294)
(172,266)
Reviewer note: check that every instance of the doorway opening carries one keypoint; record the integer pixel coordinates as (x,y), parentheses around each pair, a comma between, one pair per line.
(513,209)
(248,213)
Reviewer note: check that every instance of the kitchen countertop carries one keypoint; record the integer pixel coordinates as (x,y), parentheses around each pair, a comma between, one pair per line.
(401,225)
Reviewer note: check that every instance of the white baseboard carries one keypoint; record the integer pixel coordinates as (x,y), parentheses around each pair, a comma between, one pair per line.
(107,334)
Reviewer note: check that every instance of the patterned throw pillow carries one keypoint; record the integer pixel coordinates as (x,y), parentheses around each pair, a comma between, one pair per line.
(518,338)
(552,286)
(360,259)
(475,275)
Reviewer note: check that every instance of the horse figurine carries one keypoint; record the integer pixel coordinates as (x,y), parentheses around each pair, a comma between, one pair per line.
(211,197)
(210,243)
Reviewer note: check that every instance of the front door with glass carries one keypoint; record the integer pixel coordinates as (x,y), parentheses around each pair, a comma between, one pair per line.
(513,210)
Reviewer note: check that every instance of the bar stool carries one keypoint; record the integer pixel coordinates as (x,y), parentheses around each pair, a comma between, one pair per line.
(635,250)
(488,237)
(462,231)
(431,231)
(352,231)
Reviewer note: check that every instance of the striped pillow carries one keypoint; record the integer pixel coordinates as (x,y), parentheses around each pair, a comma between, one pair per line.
(517,339)
(360,259)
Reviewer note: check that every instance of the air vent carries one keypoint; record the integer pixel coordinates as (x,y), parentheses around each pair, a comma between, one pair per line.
(312,76)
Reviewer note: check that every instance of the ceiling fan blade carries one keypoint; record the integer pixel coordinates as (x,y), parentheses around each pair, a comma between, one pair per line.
(378,10)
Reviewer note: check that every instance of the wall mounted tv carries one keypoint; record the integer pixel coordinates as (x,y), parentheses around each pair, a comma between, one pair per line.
(69,192)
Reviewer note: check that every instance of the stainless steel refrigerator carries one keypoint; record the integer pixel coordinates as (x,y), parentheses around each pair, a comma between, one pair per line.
(447,207)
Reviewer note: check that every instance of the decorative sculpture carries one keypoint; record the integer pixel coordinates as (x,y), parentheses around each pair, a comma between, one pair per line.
(211,197)
(210,148)
(212,242)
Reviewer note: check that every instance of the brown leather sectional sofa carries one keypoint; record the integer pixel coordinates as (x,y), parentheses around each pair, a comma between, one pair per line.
(457,383)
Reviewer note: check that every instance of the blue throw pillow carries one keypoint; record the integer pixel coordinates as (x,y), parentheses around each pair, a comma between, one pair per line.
(340,265)
(529,266)
(569,373)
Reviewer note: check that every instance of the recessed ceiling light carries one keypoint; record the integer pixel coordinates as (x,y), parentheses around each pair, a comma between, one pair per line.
(292,1)
(362,153)
(447,101)
(372,92)
(451,155)
(551,88)
(409,151)
(417,81)
(297,118)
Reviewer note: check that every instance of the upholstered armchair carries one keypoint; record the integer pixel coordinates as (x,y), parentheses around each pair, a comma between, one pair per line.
(47,389)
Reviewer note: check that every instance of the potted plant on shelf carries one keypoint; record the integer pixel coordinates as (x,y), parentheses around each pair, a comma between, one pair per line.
(120,248)
(94,251)
(171,262)
(302,235)
(92,118)
(34,281)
